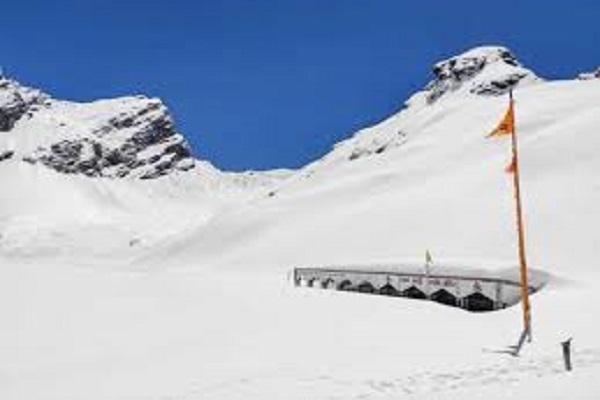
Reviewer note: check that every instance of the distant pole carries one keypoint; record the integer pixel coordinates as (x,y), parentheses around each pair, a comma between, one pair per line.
(520,229)
(428,261)
(566,348)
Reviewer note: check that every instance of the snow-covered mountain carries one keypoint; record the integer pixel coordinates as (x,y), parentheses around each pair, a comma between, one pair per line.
(196,304)
(130,136)
(390,180)
(102,175)
(136,136)
(481,72)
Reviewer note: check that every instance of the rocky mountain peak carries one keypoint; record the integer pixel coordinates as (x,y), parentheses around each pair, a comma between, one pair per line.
(128,136)
(488,70)
(481,71)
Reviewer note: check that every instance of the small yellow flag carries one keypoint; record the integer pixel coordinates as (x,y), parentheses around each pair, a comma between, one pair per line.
(507,125)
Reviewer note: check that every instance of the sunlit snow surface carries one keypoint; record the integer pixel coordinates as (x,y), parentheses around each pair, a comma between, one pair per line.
(179,288)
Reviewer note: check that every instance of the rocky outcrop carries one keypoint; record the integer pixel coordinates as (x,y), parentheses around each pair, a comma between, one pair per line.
(590,75)
(376,145)
(497,87)
(17,101)
(6,155)
(93,159)
(489,71)
(123,137)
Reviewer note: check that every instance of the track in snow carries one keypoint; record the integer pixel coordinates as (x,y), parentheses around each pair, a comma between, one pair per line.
(502,372)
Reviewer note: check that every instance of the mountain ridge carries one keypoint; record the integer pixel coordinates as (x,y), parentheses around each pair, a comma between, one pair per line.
(137,137)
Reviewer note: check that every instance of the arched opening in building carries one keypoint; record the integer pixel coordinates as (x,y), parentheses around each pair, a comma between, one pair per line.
(345,285)
(365,287)
(414,293)
(326,283)
(310,282)
(388,290)
(478,302)
(445,297)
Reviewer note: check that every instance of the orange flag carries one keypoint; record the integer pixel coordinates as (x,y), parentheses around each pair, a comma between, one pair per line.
(507,125)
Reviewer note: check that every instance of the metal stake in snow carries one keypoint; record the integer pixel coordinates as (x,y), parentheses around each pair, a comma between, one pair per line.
(566,347)
(505,128)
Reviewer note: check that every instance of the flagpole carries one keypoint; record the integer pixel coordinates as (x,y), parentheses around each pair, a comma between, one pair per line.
(427,273)
(520,229)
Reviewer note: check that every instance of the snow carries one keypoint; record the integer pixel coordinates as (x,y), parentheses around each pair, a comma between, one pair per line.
(178,288)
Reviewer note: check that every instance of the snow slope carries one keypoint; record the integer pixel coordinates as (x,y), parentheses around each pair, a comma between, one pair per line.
(205,309)
(75,173)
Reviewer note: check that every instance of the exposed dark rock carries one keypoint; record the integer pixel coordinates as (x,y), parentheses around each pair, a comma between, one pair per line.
(355,155)
(130,136)
(380,150)
(498,87)
(6,155)
(365,152)
(590,75)
(17,101)
(452,74)
(148,141)
(92,159)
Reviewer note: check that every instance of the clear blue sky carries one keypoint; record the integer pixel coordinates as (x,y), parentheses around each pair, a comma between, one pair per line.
(268,83)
